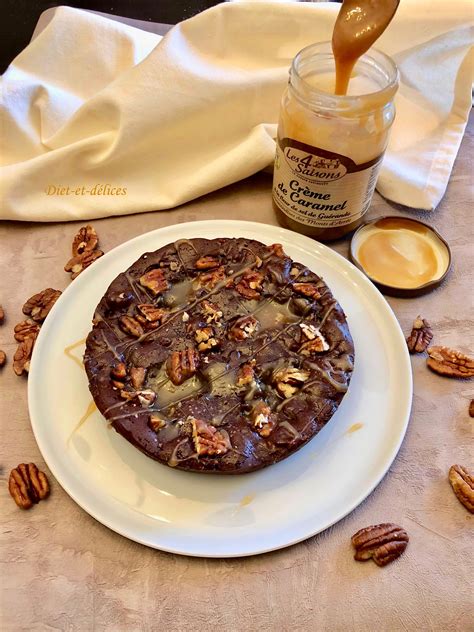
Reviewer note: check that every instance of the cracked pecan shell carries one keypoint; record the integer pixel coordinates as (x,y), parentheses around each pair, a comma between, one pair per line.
(462,482)
(28,485)
(420,337)
(381,542)
(450,363)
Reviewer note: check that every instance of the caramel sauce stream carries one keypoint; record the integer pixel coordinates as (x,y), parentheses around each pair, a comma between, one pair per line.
(89,411)
(67,351)
(358,26)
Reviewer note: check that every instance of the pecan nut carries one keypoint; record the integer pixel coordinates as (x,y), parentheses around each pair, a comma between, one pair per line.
(262,419)
(211,313)
(2,315)
(22,357)
(277,250)
(210,279)
(420,337)
(39,305)
(85,240)
(462,482)
(246,375)
(156,422)
(208,262)
(288,381)
(119,371)
(151,313)
(381,542)
(155,281)
(205,339)
(131,326)
(137,376)
(182,365)
(307,289)
(79,263)
(243,328)
(450,363)
(250,285)
(208,441)
(316,343)
(471,408)
(146,397)
(28,485)
(26,329)
(3,358)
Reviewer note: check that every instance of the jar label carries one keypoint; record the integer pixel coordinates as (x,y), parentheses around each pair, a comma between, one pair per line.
(320,188)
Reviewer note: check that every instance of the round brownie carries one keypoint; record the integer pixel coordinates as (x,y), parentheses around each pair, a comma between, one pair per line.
(220,355)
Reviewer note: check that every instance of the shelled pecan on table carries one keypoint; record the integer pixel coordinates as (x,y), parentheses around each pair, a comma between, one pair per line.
(84,251)
(39,305)
(28,485)
(420,337)
(381,542)
(450,362)
(462,482)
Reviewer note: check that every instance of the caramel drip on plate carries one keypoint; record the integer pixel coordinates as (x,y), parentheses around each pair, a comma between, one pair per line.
(246,500)
(354,428)
(67,351)
(358,26)
(90,410)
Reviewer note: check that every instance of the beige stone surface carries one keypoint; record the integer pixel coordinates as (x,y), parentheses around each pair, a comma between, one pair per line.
(62,570)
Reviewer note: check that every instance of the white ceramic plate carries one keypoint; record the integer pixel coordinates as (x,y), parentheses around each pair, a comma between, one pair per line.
(222,516)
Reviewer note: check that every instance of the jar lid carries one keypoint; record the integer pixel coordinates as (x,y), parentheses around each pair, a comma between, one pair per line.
(402,256)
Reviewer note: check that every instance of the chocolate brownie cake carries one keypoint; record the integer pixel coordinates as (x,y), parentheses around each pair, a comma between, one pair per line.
(220,355)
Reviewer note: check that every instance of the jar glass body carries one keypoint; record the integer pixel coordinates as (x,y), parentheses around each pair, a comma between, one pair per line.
(330,148)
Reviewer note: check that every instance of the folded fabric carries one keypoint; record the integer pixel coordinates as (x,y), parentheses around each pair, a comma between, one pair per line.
(100,118)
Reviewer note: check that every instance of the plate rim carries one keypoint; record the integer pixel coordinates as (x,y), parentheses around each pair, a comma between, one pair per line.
(213,225)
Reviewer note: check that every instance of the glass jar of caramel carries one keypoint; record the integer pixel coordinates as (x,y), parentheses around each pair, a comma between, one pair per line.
(330,147)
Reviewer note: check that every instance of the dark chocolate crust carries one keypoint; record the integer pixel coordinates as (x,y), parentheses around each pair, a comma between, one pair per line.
(247,358)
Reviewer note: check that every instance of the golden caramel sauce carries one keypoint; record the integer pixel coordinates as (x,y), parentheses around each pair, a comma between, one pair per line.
(167,393)
(354,428)
(67,351)
(399,256)
(272,314)
(246,500)
(90,410)
(358,26)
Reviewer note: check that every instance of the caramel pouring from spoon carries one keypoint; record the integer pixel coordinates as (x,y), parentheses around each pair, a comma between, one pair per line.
(358,26)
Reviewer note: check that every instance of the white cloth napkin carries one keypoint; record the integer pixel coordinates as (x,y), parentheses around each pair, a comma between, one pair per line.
(100,118)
